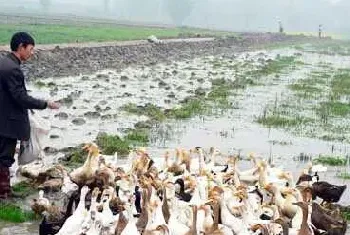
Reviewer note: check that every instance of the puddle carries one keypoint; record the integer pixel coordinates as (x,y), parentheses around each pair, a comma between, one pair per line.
(19,229)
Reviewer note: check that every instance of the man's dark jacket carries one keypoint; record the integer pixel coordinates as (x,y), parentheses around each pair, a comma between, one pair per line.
(14,100)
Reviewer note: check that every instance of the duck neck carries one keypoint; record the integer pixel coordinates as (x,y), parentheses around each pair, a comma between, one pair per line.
(166,162)
(216,211)
(106,206)
(87,163)
(213,158)
(262,176)
(290,181)
(81,205)
(304,225)
(279,200)
(158,216)
(201,161)
(93,204)
(194,218)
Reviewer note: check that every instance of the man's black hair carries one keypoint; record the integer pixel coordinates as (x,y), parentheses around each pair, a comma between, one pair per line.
(21,38)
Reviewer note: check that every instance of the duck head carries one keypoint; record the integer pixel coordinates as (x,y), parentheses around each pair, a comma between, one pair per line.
(302,205)
(92,149)
(271,188)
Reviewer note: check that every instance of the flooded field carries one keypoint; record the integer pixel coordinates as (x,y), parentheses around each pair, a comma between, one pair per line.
(237,123)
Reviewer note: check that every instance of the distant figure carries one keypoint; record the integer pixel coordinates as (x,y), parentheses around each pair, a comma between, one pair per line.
(281,30)
(320,31)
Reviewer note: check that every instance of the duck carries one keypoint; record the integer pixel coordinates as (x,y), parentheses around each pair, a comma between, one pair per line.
(175,226)
(68,187)
(177,168)
(304,177)
(144,216)
(208,220)
(90,226)
(40,204)
(74,222)
(211,224)
(84,174)
(123,222)
(286,204)
(105,218)
(131,227)
(228,219)
(165,207)
(328,192)
(51,185)
(137,195)
(180,191)
(42,200)
(104,175)
(156,223)
(217,157)
(305,227)
(331,224)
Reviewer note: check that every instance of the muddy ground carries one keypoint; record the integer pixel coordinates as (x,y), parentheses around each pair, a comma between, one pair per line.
(67,60)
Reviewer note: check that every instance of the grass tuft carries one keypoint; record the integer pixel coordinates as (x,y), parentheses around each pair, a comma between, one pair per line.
(331,160)
(12,213)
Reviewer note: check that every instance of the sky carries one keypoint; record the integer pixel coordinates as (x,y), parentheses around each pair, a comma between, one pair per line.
(235,15)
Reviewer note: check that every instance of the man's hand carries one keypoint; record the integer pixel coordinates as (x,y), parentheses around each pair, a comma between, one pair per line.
(53,105)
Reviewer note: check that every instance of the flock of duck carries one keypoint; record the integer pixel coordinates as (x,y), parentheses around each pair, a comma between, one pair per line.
(192,192)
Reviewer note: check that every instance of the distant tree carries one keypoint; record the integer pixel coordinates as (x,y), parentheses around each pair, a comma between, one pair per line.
(45,4)
(179,10)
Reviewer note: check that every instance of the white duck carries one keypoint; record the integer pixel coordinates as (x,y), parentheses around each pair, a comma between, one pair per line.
(68,186)
(106,218)
(229,220)
(75,221)
(131,226)
(42,200)
(90,225)
(175,226)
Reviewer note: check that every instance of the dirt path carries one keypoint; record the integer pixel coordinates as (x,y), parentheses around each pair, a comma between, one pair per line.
(110,43)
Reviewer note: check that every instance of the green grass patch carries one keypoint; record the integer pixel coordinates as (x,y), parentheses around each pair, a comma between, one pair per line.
(137,137)
(341,83)
(219,95)
(274,66)
(23,189)
(150,110)
(51,33)
(75,157)
(12,213)
(335,108)
(331,137)
(305,88)
(41,84)
(277,120)
(332,48)
(331,160)
(190,108)
(110,144)
(220,92)
(344,175)
(346,215)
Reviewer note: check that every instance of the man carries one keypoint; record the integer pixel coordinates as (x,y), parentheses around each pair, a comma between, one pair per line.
(320,31)
(14,105)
